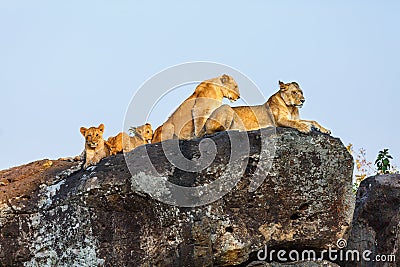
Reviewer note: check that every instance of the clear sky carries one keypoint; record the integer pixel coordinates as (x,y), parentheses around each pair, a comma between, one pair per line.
(67,64)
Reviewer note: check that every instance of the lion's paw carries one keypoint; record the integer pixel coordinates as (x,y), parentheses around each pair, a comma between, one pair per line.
(325,131)
(304,128)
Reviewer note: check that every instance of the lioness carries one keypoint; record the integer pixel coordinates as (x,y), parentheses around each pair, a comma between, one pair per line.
(281,109)
(189,118)
(122,142)
(95,147)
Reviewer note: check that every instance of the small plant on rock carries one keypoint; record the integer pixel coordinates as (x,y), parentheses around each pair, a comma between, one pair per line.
(132,131)
(382,162)
(363,167)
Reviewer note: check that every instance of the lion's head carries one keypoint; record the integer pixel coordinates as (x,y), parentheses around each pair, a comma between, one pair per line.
(112,145)
(229,88)
(93,136)
(145,131)
(292,94)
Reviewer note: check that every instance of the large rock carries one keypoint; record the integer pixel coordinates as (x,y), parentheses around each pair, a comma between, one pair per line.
(55,214)
(376,222)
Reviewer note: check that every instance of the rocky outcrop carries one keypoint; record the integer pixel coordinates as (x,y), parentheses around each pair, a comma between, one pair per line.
(376,222)
(53,213)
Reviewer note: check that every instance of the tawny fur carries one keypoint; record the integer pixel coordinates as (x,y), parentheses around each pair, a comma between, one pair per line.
(281,109)
(122,142)
(95,147)
(146,131)
(189,118)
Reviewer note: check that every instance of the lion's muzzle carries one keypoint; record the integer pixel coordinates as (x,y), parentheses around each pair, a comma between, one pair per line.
(92,144)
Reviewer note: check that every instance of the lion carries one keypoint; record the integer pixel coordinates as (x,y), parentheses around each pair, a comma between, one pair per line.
(95,147)
(144,131)
(188,120)
(122,142)
(281,109)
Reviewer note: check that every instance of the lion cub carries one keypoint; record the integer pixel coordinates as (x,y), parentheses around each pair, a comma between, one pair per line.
(144,131)
(122,142)
(95,147)
(281,109)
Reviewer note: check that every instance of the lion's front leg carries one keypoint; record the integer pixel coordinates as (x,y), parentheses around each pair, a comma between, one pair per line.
(318,126)
(199,120)
(302,126)
(220,120)
(167,131)
(90,162)
(201,110)
(163,132)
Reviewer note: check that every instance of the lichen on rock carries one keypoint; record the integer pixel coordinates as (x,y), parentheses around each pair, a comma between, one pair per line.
(60,215)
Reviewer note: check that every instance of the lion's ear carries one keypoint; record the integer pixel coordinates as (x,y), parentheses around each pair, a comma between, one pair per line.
(282,86)
(101,127)
(224,78)
(83,130)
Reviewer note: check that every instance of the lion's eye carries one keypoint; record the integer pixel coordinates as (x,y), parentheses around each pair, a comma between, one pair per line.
(97,134)
(295,93)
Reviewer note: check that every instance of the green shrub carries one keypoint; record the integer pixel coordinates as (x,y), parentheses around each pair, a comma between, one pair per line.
(382,162)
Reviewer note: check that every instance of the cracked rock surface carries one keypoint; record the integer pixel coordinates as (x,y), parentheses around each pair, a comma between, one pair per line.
(53,213)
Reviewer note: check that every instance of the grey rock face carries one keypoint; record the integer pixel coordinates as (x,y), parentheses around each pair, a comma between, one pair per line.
(376,222)
(55,214)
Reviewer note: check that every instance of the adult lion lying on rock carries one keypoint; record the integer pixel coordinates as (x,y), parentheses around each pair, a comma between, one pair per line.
(95,147)
(281,109)
(189,118)
(122,142)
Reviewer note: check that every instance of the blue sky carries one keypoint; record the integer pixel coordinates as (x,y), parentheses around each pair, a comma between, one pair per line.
(67,64)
